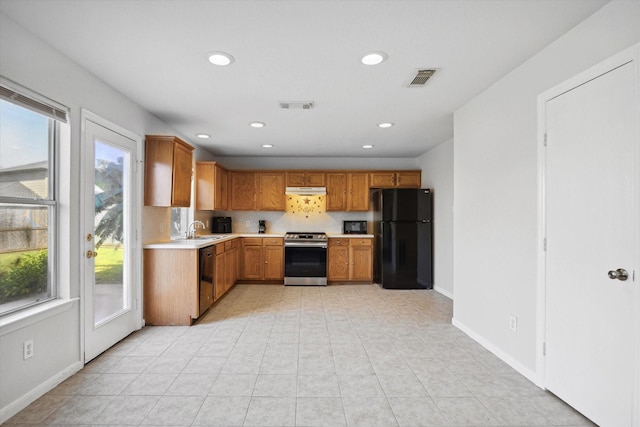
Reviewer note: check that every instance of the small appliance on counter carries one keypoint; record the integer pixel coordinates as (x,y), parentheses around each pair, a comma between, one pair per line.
(221,224)
(354,227)
(262,226)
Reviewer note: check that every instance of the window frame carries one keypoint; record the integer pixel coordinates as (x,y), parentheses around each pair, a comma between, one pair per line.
(51,202)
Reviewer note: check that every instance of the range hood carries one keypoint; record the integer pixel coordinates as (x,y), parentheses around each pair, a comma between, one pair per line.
(306,191)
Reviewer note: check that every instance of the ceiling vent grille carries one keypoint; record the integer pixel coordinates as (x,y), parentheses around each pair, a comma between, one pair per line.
(421,78)
(297,105)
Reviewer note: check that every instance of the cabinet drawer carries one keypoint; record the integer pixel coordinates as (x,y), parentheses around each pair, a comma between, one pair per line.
(219,248)
(360,242)
(339,242)
(253,241)
(230,244)
(273,241)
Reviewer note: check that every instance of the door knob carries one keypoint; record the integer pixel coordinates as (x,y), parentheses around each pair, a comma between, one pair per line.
(620,274)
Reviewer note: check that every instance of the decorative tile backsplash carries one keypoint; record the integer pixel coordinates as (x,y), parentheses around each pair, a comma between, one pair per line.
(306,205)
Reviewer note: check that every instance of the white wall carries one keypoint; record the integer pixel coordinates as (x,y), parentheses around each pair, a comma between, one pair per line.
(437,174)
(495,186)
(30,62)
(327,163)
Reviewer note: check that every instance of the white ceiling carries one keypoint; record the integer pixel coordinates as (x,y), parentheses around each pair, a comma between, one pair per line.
(154,52)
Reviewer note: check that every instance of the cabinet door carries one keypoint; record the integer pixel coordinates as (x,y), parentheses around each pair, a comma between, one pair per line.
(271,195)
(408,179)
(220,194)
(361,263)
(315,179)
(230,268)
(253,266)
(274,262)
(182,167)
(204,191)
(338,263)
(336,191)
(358,192)
(243,190)
(296,179)
(219,276)
(382,179)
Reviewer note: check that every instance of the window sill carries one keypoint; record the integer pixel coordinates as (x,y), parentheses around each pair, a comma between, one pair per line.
(24,318)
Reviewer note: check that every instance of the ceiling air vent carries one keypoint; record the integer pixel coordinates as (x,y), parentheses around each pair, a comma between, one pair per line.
(296,105)
(421,78)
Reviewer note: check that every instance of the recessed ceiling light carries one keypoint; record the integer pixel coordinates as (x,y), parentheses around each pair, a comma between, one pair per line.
(220,58)
(257,124)
(267,145)
(374,58)
(367,146)
(203,135)
(385,125)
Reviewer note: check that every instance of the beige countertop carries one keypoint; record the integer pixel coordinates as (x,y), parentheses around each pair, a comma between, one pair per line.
(205,240)
(349,236)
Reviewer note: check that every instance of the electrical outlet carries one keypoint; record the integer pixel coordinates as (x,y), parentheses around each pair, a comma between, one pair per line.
(207,224)
(27,349)
(247,224)
(513,323)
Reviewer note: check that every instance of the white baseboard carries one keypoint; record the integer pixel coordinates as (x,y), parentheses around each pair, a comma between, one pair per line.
(443,292)
(526,372)
(22,402)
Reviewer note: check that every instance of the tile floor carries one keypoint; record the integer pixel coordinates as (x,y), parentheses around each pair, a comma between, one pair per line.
(267,355)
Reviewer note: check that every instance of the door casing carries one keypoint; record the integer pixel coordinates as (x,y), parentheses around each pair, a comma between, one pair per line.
(136,212)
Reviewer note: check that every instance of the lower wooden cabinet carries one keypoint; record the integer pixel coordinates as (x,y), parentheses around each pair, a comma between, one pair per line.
(171,286)
(226,273)
(350,260)
(263,258)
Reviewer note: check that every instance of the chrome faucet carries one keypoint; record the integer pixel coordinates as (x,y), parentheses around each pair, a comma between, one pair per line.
(191,234)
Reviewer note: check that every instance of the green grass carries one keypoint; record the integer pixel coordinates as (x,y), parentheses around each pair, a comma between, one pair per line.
(108,263)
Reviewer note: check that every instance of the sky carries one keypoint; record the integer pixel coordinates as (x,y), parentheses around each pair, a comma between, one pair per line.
(24,136)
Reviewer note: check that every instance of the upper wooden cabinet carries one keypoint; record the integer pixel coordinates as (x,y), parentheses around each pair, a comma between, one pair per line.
(256,191)
(395,179)
(271,195)
(242,191)
(305,179)
(167,173)
(211,186)
(347,191)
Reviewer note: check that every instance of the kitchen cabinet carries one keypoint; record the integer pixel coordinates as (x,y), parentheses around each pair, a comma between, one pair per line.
(257,191)
(242,191)
(347,191)
(211,186)
(305,179)
(350,260)
(263,258)
(226,273)
(168,170)
(171,286)
(395,179)
(271,195)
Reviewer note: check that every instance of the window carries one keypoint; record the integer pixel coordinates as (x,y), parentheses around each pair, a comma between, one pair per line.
(29,131)
(179,222)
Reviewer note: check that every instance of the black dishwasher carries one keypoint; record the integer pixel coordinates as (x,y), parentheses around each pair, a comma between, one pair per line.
(207,264)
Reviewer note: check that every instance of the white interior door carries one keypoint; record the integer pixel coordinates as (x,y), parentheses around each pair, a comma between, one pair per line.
(110,268)
(592,223)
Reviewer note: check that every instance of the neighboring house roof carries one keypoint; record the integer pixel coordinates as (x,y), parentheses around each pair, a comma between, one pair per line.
(17,189)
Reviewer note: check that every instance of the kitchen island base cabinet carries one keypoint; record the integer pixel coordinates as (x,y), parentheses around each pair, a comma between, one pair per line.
(350,260)
(171,291)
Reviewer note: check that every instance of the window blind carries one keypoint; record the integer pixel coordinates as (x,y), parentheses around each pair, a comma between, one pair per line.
(35,103)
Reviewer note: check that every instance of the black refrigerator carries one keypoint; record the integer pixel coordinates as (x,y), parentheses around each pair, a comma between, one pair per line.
(403,230)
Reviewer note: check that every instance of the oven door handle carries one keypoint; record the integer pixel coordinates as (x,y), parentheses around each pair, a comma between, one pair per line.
(305,245)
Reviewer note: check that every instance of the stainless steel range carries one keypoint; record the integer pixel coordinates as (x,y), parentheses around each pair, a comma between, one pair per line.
(305,258)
